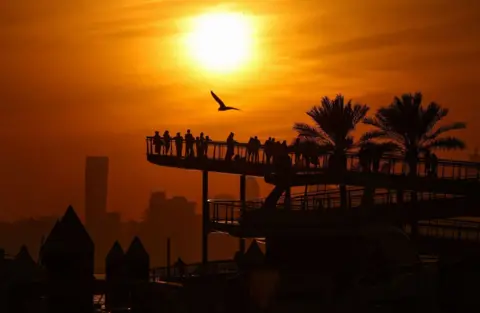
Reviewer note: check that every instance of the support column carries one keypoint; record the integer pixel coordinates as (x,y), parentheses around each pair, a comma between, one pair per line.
(168,257)
(205,218)
(288,197)
(243,196)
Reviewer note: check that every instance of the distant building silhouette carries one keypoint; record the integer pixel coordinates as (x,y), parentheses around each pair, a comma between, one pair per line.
(98,223)
(173,217)
(96,189)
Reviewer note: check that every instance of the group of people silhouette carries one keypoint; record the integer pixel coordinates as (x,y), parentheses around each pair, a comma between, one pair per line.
(198,147)
(163,144)
(305,153)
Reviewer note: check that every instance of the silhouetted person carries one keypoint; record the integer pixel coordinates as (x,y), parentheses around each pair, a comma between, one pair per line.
(180,266)
(267,149)
(178,144)
(157,142)
(256,149)
(205,145)
(276,150)
(433,165)
(308,152)
(364,159)
(167,139)
(297,151)
(189,141)
(230,147)
(199,147)
(427,163)
(250,148)
(202,144)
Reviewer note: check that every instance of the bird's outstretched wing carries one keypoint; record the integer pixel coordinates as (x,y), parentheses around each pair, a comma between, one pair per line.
(218,100)
(232,108)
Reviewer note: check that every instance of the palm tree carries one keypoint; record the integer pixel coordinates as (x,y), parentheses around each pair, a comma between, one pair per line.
(334,120)
(411,127)
(370,154)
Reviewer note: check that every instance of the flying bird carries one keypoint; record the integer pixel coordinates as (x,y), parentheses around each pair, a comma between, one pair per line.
(222,105)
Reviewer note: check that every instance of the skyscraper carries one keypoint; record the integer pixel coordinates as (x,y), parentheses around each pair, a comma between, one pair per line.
(96,189)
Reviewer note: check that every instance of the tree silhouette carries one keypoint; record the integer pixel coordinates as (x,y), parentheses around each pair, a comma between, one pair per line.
(411,128)
(370,154)
(335,120)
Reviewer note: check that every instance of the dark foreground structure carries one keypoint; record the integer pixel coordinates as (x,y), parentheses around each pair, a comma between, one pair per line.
(340,250)
(353,250)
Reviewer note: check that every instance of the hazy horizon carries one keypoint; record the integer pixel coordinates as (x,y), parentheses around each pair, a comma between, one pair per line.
(95,77)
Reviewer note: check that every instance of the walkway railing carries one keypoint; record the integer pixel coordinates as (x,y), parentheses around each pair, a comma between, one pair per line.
(194,269)
(230,212)
(389,164)
(451,229)
(308,199)
(441,229)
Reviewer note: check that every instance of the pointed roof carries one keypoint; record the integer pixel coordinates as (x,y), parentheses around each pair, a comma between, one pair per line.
(74,228)
(115,253)
(136,250)
(24,256)
(53,239)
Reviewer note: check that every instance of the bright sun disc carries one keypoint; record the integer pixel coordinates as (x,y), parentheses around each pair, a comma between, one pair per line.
(220,42)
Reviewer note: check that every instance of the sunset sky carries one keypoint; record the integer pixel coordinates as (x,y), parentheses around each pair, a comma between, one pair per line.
(84,77)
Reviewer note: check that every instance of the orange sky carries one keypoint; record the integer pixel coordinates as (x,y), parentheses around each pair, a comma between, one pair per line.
(85,77)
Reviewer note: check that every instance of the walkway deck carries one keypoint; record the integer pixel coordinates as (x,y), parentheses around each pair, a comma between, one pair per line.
(436,237)
(457,177)
(322,211)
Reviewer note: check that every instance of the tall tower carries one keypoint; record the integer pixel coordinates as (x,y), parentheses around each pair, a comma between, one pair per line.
(96,189)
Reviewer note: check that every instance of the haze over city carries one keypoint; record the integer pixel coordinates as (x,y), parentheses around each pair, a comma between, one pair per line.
(89,77)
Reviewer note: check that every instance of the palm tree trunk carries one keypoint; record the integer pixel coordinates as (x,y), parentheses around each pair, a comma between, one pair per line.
(341,159)
(343,197)
(368,196)
(412,164)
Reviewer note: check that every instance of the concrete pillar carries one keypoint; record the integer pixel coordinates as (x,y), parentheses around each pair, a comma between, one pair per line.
(243,191)
(168,258)
(205,218)
(288,197)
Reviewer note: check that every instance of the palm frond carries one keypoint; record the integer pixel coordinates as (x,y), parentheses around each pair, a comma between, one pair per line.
(334,119)
(430,116)
(312,133)
(375,134)
(447,143)
(446,128)
(305,130)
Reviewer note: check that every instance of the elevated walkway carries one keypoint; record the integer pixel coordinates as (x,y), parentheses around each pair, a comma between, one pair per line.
(449,237)
(454,177)
(454,237)
(322,212)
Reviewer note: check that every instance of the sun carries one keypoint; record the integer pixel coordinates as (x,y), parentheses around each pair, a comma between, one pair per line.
(221,42)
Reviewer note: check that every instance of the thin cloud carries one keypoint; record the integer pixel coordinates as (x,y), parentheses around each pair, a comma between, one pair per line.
(459,30)
(146,31)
